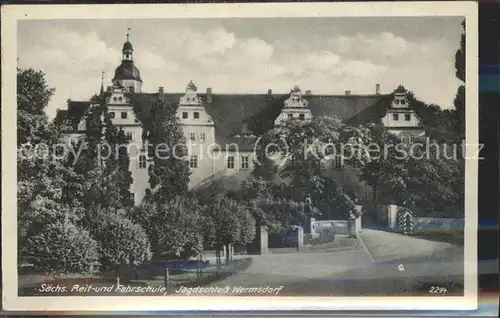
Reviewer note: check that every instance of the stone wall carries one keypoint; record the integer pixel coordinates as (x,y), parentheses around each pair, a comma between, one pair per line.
(438,223)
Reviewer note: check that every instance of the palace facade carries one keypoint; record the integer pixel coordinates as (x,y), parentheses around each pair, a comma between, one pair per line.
(218,127)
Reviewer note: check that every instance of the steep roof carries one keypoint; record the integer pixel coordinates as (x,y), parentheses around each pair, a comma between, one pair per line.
(230,111)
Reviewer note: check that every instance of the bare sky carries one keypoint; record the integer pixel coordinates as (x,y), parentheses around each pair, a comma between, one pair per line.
(324,55)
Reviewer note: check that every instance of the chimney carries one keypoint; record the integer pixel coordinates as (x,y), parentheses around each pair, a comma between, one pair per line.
(209,95)
(244,128)
(269,91)
(308,93)
(347,93)
(377,89)
(161,94)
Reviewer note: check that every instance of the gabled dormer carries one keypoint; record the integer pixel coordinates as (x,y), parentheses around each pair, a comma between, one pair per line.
(295,108)
(401,119)
(120,108)
(191,110)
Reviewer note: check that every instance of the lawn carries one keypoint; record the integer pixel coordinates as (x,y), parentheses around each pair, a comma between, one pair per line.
(452,236)
(106,285)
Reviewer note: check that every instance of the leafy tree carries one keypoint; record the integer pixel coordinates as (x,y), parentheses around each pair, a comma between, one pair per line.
(33,96)
(121,242)
(117,165)
(169,173)
(227,222)
(62,248)
(460,57)
(425,178)
(459,101)
(175,227)
(280,214)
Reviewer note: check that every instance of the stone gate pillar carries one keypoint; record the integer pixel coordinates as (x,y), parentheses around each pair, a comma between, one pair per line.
(264,237)
(392,211)
(300,237)
(358,223)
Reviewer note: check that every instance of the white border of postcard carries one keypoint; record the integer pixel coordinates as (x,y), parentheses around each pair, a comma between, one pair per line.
(13,13)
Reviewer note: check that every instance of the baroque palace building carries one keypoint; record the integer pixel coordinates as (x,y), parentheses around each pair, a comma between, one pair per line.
(217,126)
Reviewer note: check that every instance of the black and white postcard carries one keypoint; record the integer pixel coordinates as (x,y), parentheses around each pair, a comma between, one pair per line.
(309,156)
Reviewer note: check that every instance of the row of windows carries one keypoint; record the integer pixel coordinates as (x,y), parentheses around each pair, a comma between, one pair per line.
(396,117)
(192,137)
(301,116)
(196,115)
(123,115)
(230,163)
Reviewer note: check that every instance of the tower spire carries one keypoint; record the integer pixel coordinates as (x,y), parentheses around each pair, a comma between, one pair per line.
(102,83)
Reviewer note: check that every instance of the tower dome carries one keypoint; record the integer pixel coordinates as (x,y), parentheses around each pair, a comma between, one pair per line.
(127,74)
(127,71)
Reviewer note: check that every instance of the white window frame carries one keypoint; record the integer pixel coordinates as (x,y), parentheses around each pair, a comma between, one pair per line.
(193,162)
(192,136)
(143,162)
(339,162)
(245,162)
(203,136)
(230,162)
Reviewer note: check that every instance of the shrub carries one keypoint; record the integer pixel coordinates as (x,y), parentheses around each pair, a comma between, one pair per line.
(64,248)
(121,242)
(325,236)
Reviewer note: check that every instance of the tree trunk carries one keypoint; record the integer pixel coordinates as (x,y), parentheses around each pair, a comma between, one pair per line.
(117,276)
(217,257)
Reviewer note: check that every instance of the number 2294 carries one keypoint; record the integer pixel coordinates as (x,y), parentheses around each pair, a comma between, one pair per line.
(438,290)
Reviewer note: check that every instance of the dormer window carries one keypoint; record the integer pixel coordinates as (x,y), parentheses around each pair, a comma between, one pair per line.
(196,115)
(131,89)
(395,116)
(396,101)
(407,117)
(111,114)
(115,98)
(403,102)
(124,115)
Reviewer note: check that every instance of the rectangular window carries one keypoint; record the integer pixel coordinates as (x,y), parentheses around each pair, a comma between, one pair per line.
(130,136)
(196,115)
(410,138)
(184,115)
(124,115)
(230,162)
(339,162)
(111,114)
(403,138)
(290,116)
(395,116)
(302,116)
(193,162)
(193,136)
(142,161)
(202,137)
(244,162)
(407,117)
(131,89)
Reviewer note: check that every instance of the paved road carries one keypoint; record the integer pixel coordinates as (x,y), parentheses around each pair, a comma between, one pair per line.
(371,267)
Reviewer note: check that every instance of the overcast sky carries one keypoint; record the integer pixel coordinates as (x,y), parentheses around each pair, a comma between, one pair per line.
(324,55)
